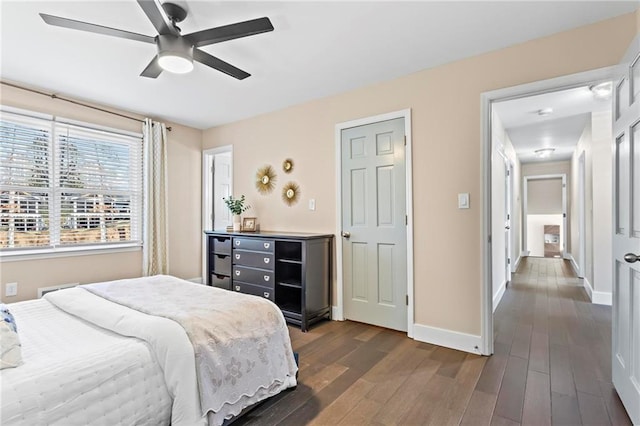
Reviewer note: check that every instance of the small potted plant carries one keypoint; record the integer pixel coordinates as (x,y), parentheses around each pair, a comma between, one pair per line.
(236,206)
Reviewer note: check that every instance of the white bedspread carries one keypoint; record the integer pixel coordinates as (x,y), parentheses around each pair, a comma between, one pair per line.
(75,373)
(241,347)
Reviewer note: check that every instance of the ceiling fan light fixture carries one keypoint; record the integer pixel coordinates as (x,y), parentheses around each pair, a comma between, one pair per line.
(177,64)
(175,54)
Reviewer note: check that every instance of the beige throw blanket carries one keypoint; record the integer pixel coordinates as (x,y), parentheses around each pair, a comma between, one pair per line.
(241,342)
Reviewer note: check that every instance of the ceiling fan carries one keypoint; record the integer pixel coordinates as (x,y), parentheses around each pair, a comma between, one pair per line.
(176,52)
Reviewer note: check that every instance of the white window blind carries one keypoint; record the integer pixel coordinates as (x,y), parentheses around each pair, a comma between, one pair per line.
(65,185)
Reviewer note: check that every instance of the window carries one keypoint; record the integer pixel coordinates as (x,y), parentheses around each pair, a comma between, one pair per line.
(66,185)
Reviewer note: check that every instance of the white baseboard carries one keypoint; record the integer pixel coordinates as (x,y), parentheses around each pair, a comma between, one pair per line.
(498,296)
(597,297)
(574,264)
(196,280)
(517,263)
(447,338)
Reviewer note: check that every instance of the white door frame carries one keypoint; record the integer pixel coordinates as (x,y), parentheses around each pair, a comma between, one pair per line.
(486,99)
(525,208)
(207,196)
(582,218)
(338,310)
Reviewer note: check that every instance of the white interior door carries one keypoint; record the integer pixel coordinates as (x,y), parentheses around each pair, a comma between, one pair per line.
(222,175)
(374,240)
(626,240)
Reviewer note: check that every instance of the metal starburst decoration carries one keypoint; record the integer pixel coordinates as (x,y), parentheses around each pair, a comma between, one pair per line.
(291,193)
(265,179)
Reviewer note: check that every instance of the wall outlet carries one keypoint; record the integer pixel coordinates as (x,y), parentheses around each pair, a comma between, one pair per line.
(11,289)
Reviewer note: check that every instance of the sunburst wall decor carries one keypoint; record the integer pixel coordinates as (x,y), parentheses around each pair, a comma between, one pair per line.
(265,179)
(287,165)
(291,193)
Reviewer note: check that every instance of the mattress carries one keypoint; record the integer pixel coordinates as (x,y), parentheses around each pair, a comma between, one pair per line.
(76,373)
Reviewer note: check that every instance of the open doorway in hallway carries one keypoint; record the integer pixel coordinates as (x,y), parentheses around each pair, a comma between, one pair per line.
(559,146)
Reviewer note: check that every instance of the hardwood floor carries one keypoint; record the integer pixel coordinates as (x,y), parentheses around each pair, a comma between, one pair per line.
(551,366)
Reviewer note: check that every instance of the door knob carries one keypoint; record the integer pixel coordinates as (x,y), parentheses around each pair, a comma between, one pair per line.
(630,257)
(346,234)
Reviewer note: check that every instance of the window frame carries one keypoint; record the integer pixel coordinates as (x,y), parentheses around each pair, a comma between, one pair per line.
(55,190)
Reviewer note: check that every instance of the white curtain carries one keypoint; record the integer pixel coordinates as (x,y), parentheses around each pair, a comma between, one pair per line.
(155,259)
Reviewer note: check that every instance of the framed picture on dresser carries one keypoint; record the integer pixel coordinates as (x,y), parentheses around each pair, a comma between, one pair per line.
(249,224)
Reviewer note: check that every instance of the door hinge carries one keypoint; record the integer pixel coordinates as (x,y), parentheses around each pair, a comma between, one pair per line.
(508,261)
(508,216)
(407,299)
(508,173)
(406,219)
(489,239)
(564,215)
(405,140)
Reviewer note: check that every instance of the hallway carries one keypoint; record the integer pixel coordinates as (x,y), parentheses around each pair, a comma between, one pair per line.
(555,349)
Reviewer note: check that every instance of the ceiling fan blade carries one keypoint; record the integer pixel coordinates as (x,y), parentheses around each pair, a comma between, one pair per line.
(154,11)
(219,64)
(152,70)
(93,28)
(230,32)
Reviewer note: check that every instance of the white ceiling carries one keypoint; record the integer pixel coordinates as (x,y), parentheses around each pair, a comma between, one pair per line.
(317,49)
(560,130)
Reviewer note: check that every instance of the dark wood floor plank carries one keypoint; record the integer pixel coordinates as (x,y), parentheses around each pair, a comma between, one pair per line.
(511,395)
(564,410)
(561,374)
(537,400)
(593,410)
(539,352)
(480,409)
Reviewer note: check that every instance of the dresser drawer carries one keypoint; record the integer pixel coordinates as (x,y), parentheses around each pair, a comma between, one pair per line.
(221,281)
(256,290)
(255,244)
(220,245)
(253,276)
(253,259)
(221,264)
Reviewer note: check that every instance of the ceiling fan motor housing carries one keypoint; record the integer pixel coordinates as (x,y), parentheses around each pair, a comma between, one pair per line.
(171,47)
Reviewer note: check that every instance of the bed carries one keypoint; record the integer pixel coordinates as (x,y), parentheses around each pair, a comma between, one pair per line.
(145,351)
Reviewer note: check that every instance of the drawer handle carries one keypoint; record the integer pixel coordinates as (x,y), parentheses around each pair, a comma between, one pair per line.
(266,278)
(266,260)
(237,273)
(237,256)
(237,242)
(266,294)
(267,245)
(237,288)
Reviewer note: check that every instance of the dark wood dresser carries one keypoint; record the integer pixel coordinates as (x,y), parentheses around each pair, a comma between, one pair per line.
(291,269)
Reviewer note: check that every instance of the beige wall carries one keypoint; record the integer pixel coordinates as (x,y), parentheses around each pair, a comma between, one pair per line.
(445,103)
(184,154)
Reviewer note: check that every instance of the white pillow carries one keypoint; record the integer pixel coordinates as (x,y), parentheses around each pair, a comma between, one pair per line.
(10,350)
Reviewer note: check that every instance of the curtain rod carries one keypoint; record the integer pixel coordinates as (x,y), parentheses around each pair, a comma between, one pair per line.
(54,96)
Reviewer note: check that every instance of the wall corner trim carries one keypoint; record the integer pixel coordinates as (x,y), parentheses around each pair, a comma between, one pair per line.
(336,314)
(597,297)
(574,264)
(447,338)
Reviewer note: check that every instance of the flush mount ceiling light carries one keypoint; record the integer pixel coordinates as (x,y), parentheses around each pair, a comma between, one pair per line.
(602,90)
(544,152)
(545,111)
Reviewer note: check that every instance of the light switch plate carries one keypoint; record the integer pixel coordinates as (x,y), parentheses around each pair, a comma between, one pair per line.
(11,289)
(463,200)
(312,204)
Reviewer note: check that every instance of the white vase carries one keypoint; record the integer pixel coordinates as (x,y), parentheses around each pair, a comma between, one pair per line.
(236,223)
